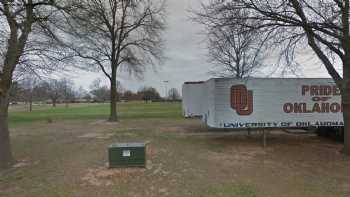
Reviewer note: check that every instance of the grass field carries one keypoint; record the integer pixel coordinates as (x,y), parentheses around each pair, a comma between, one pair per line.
(19,114)
(68,157)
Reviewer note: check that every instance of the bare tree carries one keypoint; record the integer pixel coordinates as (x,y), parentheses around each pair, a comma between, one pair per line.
(24,28)
(118,34)
(59,90)
(81,93)
(148,94)
(101,93)
(292,25)
(129,95)
(120,90)
(68,90)
(28,83)
(173,94)
(54,90)
(236,51)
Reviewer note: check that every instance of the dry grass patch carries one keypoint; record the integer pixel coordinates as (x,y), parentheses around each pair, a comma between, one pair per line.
(104,177)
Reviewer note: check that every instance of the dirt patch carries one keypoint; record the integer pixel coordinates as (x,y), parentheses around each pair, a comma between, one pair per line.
(237,156)
(104,122)
(128,134)
(184,128)
(8,190)
(24,163)
(173,129)
(104,177)
(151,152)
(97,135)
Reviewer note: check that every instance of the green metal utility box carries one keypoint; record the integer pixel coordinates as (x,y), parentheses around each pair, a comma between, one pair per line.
(127,155)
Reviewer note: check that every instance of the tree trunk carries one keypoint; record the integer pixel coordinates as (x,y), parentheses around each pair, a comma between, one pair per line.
(346,103)
(113,116)
(31,102)
(67,104)
(6,158)
(346,115)
(54,102)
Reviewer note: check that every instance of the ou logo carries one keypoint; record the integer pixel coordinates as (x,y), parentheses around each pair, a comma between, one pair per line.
(242,100)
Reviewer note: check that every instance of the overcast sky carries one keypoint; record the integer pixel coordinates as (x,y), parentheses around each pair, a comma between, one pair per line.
(186,55)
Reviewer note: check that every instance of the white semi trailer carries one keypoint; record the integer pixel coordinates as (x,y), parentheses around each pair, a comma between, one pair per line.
(264,103)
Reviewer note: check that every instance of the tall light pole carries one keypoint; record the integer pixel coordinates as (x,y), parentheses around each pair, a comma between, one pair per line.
(166,89)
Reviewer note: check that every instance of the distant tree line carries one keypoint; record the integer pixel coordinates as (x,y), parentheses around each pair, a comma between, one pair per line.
(52,91)
(64,91)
